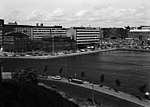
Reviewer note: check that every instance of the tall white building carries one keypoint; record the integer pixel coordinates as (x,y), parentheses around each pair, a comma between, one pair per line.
(85,36)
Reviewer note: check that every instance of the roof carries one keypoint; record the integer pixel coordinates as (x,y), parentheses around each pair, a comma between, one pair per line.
(33,26)
(140,30)
(18,34)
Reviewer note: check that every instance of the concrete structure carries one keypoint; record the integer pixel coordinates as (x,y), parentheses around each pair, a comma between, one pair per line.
(85,36)
(143,34)
(40,32)
(37,32)
(27,29)
(57,44)
(16,42)
(1,31)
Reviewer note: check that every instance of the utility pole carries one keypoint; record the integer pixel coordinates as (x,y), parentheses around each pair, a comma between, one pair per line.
(53,45)
(93,101)
(2,45)
(1,68)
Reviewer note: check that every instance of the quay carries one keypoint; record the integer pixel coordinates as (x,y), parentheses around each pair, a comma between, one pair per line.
(105,90)
(57,56)
(137,50)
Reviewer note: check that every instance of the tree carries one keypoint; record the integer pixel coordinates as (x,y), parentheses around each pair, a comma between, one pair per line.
(142,88)
(60,71)
(117,82)
(102,78)
(45,69)
(27,75)
(83,74)
(0,71)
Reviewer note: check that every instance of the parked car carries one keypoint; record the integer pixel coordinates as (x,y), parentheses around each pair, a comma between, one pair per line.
(56,77)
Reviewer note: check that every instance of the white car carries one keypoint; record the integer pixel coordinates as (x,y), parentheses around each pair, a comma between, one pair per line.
(56,77)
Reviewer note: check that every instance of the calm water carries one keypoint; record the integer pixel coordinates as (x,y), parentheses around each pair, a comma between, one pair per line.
(132,68)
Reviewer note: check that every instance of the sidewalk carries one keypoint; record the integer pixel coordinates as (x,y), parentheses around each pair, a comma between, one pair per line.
(110,91)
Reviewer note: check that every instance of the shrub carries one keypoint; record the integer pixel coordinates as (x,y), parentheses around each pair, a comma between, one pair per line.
(25,75)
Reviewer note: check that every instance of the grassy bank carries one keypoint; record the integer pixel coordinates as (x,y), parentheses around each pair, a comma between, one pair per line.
(14,94)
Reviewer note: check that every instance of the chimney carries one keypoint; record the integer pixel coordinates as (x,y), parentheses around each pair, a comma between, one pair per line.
(41,24)
(37,24)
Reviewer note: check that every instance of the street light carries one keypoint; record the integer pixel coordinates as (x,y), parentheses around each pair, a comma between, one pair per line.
(93,101)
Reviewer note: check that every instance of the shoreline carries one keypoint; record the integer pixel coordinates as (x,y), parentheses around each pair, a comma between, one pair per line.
(57,56)
(73,54)
(109,91)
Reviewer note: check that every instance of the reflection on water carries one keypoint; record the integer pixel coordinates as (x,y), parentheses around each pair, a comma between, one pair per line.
(131,68)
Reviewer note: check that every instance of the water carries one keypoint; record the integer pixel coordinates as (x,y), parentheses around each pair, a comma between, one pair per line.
(131,68)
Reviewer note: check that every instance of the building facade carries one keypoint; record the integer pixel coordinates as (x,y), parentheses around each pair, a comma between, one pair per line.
(16,42)
(140,34)
(37,32)
(27,29)
(1,31)
(40,32)
(85,36)
(57,44)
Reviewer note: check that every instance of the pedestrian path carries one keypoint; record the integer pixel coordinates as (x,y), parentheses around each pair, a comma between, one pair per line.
(111,91)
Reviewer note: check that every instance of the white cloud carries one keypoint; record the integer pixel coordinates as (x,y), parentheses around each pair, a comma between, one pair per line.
(37,15)
(96,16)
(58,12)
(81,13)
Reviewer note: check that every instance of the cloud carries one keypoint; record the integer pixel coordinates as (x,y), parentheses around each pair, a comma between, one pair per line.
(58,12)
(81,13)
(15,15)
(37,15)
(96,16)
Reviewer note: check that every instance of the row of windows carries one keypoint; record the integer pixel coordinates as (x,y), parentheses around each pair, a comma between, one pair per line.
(49,31)
(87,38)
(45,29)
(91,33)
(88,30)
(87,42)
(84,36)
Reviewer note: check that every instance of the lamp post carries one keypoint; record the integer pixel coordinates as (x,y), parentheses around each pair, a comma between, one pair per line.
(53,46)
(1,69)
(93,101)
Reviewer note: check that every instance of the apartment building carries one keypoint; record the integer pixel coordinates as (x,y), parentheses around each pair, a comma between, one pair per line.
(16,41)
(1,31)
(41,31)
(37,32)
(85,36)
(27,29)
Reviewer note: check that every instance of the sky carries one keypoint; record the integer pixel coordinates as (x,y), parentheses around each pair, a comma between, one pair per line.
(96,13)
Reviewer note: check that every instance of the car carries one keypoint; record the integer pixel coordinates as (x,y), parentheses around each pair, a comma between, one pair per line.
(56,77)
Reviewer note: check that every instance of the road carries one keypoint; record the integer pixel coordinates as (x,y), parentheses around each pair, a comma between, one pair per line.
(105,95)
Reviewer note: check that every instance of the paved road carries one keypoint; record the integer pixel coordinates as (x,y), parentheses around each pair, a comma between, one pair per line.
(105,95)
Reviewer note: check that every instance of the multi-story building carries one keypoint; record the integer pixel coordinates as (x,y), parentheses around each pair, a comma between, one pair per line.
(40,32)
(1,31)
(137,34)
(27,29)
(144,27)
(16,41)
(37,32)
(57,44)
(85,36)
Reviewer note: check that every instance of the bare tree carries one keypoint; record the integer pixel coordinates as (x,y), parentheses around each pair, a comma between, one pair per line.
(102,78)
(83,74)
(118,83)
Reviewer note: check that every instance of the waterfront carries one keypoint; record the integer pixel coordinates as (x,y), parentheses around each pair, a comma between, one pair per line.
(132,68)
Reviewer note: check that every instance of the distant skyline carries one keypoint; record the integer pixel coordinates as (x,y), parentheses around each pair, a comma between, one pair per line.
(99,13)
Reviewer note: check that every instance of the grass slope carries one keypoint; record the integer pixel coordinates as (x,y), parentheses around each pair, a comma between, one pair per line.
(14,94)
